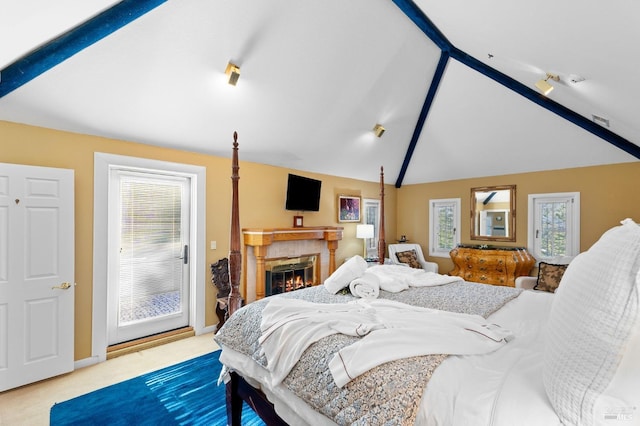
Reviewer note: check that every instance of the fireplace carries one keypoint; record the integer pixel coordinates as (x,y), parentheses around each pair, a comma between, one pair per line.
(263,244)
(287,274)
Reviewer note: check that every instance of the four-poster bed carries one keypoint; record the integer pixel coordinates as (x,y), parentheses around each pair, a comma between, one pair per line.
(535,373)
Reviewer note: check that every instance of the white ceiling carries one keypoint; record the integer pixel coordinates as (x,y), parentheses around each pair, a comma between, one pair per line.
(316,76)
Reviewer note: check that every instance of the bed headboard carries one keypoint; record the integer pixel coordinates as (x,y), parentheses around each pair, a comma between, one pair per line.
(235,257)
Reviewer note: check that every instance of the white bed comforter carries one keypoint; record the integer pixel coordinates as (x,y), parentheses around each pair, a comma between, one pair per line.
(499,389)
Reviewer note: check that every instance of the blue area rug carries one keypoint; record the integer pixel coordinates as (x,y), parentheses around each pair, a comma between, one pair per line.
(183,394)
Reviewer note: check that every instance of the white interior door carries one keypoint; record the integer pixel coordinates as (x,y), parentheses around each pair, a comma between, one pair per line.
(36,273)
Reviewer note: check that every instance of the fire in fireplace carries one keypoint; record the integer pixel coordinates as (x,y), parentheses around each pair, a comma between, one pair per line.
(289,274)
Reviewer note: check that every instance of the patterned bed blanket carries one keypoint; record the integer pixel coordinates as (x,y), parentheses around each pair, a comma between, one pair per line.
(389,394)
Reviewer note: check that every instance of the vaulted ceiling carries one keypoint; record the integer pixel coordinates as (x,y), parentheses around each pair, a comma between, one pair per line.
(452,82)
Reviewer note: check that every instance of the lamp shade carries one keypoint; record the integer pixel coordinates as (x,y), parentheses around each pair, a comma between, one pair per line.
(364,231)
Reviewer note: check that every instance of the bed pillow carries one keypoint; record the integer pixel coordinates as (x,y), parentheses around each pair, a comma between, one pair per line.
(409,257)
(590,360)
(549,276)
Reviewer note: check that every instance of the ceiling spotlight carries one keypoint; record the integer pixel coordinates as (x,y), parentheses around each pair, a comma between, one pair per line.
(233,71)
(545,87)
(378,130)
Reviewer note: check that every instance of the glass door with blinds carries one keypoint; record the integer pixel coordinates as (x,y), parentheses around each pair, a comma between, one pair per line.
(148,282)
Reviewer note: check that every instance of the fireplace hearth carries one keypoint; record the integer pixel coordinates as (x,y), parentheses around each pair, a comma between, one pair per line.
(283,275)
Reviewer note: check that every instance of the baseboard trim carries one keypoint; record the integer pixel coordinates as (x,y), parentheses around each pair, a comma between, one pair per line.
(114,351)
(207,329)
(86,362)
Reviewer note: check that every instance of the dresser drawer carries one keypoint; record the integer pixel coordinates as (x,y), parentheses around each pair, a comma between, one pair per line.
(486,263)
(496,278)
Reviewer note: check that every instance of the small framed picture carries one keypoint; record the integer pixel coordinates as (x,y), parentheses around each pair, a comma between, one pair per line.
(348,208)
(297,222)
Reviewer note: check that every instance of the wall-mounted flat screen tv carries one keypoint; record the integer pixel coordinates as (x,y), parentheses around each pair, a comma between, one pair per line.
(303,194)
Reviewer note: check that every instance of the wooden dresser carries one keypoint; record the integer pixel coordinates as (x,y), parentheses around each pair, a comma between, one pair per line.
(491,265)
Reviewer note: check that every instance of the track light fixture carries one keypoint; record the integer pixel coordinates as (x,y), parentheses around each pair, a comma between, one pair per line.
(233,71)
(378,130)
(544,86)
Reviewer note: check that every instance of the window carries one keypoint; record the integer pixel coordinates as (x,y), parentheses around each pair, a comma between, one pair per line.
(554,226)
(444,225)
(371,216)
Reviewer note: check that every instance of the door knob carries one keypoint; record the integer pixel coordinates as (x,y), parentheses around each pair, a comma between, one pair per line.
(63,286)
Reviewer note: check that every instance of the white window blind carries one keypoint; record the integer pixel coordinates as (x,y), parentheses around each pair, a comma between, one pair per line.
(151,243)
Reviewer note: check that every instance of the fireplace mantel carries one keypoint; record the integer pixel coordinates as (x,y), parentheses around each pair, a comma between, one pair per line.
(260,239)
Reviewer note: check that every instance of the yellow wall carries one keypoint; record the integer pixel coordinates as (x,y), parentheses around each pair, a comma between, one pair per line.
(608,194)
(262,197)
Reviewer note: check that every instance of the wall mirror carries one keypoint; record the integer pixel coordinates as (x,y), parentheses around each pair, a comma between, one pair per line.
(493,213)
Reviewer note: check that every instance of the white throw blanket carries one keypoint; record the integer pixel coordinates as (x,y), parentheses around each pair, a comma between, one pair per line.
(367,286)
(391,278)
(290,326)
(395,278)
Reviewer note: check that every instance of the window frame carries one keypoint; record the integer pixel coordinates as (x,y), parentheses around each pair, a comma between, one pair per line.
(573,224)
(433,205)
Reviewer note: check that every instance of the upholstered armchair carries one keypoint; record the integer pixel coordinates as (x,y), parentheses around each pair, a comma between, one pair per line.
(402,254)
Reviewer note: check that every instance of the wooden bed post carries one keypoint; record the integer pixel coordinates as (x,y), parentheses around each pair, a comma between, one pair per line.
(237,389)
(235,257)
(382,245)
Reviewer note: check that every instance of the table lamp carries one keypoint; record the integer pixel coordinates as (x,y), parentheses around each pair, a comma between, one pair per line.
(364,232)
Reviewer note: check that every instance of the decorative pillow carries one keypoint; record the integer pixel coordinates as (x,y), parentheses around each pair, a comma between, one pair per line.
(409,257)
(549,276)
(590,360)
